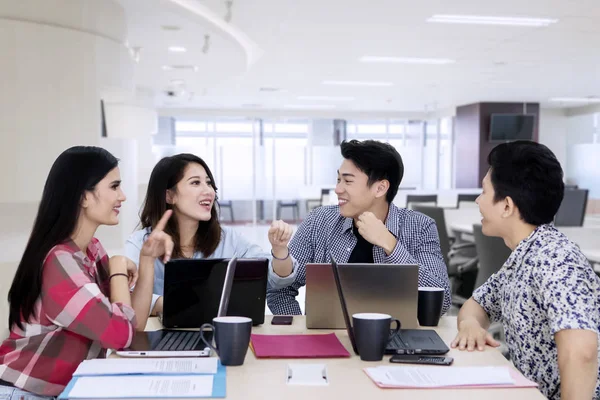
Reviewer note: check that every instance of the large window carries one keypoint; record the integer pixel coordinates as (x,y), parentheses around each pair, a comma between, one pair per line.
(426,148)
(288,159)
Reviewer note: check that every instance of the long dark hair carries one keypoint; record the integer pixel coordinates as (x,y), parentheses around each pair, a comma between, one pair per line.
(74,172)
(165,176)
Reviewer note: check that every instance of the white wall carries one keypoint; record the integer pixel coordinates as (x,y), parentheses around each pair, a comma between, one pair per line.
(57,60)
(554,132)
(570,134)
(584,167)
(580,129)
(51,76)
(126,150)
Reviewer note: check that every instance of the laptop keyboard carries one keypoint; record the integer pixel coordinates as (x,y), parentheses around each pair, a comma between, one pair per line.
(179,341)
(397,342)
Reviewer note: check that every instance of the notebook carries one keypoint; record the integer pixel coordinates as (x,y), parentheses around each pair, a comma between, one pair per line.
(297,346)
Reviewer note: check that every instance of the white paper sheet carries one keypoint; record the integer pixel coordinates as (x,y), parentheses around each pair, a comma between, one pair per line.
(153,366)
(142,386)
(441,376)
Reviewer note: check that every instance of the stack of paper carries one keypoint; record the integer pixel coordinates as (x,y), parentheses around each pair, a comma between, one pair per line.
(147,378)
(140,366)
(298,346)
(452,377)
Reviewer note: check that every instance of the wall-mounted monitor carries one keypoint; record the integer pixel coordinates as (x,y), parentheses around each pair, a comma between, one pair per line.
(508,127)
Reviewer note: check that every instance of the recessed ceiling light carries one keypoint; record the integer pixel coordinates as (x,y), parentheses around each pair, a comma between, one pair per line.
(170,27)
(177,49)
(358,83)
(177,82)
(575,100)
(309,106)
(180,67)
(490,20)
(325,98)
(406,60)
(269,89)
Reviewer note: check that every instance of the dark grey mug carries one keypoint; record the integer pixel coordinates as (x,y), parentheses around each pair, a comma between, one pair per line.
(232,337)
(372,334)
(431,301)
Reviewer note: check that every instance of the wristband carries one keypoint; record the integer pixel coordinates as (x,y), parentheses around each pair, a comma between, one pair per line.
(117,274)
(281,259)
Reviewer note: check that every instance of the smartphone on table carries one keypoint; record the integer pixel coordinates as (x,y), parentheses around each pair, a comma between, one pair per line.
(282,320)
(420,359)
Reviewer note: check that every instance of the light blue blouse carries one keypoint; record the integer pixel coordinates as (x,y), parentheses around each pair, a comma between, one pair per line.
(232,244)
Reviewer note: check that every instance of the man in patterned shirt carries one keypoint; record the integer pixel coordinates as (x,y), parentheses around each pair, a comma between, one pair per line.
(365,227)
(546,295)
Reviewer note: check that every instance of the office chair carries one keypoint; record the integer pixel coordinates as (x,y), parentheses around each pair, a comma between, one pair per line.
(467,198)
(572,209)
(460,259)
(492,253)
(420,198)
(288,204)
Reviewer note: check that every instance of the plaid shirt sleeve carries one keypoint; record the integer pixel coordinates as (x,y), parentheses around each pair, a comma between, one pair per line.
(282,301)
(71,299)
(428,255)
(246,249)
(325,231)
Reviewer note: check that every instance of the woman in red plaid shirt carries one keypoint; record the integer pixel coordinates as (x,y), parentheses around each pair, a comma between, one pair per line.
(69,301)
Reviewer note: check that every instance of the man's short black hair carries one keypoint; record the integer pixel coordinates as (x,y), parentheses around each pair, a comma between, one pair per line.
(378,161)
(530,174)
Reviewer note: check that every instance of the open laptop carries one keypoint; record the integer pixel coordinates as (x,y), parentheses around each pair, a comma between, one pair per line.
(176,343)
(387,288)
(192,291)
(408,341)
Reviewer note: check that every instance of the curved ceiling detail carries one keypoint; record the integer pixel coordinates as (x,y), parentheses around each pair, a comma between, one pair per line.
(104,19)
(252,50)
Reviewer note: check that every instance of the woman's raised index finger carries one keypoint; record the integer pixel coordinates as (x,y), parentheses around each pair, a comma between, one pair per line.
(163,221)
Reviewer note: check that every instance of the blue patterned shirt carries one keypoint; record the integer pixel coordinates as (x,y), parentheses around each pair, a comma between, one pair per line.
(545,286)
(325,230)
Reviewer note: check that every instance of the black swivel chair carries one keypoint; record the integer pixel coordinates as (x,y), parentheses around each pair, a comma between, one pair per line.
(429,199)
(288,204)
(461,259)
(492,253)
(467,198)
(572,209)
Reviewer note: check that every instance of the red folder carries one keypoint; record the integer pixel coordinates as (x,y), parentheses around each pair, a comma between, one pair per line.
(298,346)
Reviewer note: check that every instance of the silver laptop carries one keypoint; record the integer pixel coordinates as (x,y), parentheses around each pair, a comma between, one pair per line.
(179,343)
(383,288)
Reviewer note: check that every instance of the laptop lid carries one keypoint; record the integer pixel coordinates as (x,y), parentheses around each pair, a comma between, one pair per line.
(227,285)
(385,288)
(338,285)
(416,341)
(193,289)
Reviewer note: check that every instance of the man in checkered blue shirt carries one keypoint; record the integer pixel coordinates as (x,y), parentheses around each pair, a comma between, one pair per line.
(365,227)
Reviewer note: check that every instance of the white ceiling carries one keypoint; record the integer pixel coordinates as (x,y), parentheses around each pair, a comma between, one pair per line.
(305,42)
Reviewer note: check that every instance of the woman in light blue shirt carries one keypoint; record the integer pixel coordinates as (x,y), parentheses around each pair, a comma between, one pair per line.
(185,184)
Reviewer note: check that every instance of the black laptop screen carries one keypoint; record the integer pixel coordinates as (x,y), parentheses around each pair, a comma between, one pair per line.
(193,291)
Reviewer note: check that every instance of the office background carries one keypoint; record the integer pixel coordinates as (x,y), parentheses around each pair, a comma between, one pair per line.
(265,90)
